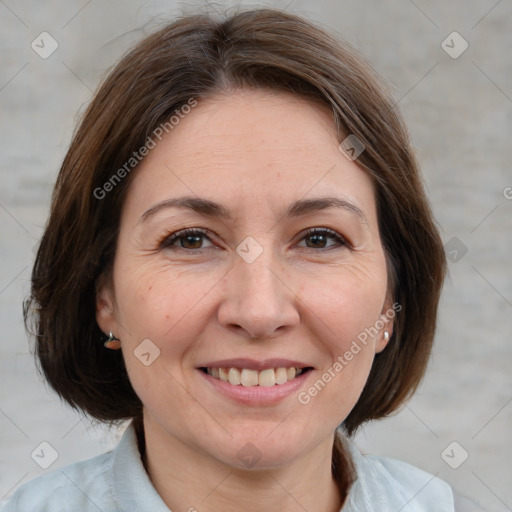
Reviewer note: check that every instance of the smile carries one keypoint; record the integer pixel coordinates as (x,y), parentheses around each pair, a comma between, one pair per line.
(248,377)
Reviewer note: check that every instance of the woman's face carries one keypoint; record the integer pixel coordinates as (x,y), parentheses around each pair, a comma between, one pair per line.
(253,290)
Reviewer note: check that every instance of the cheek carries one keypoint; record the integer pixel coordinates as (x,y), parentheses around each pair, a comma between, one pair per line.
(161,306)
(344,307)
(345,302)
(155,300)
(167,307)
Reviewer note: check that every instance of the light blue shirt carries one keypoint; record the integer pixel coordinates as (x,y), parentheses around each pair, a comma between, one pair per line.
(117,482)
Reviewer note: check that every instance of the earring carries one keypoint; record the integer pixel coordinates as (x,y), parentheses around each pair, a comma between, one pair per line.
(386,335)
(112,342)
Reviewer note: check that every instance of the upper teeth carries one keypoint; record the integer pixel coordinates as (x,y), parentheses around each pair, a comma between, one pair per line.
(247,377)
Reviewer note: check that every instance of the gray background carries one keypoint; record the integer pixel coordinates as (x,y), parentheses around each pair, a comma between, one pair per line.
(459,112)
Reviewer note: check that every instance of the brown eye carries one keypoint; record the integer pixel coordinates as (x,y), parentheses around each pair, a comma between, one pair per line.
(319,237)
(191,241)
(188,239)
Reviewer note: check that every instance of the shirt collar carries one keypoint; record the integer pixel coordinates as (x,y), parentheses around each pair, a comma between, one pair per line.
(132,486)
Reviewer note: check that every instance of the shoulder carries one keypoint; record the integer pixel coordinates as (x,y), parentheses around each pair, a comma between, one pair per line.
(395,485)
(81,486)
(112,482)
(414,484)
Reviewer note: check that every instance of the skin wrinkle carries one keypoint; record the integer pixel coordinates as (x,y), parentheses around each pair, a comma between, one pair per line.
(302,302)
(146,237)
(221,244)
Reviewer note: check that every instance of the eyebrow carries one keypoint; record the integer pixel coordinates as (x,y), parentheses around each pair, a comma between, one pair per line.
(215,210)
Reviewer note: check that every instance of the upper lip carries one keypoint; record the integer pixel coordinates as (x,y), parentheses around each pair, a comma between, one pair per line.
(253,364)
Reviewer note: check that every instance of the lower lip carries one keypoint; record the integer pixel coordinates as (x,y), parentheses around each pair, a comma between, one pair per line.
(257,395)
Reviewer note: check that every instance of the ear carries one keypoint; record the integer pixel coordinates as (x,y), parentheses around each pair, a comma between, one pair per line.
(105,315)
(386,323)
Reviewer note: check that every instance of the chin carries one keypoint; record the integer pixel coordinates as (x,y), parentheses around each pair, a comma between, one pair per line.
(256,447)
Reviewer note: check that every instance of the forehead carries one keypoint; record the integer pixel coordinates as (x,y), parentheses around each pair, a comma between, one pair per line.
(251,147)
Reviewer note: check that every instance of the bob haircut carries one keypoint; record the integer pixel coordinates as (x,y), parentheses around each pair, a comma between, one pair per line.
(192,58)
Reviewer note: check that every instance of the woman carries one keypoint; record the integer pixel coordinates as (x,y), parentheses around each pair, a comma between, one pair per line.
(240,257)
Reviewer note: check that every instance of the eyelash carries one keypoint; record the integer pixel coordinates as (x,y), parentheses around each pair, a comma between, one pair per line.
(169,241)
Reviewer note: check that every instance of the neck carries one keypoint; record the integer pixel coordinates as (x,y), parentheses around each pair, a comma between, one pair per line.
(188,480)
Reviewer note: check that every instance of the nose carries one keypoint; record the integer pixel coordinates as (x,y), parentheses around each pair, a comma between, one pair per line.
(259,300)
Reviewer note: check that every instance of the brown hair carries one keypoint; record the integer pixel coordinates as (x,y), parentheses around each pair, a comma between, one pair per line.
(194,57)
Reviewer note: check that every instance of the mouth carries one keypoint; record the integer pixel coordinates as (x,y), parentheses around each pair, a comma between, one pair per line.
(249,377)
(255,382)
